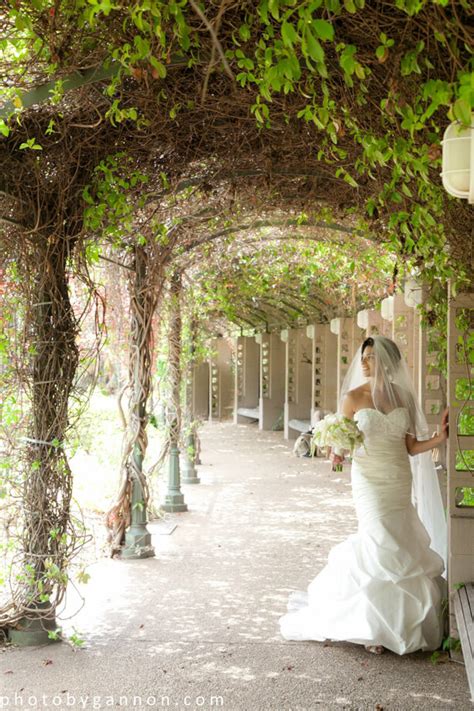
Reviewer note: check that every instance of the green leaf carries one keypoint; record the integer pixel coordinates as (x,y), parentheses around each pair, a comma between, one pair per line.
(315,49)
(273,6)
(323,29)
(347,61)
(159,66)
(244,32)
(86,196)
(289,34)
(350,180)
(4,130)
(31,144)
(142,45)
(462,111)
(50,128)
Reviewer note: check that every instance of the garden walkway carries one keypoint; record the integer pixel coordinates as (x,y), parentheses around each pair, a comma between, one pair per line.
(200,620)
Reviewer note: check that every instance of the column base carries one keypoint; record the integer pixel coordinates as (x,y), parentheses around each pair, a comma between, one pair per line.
(34,632)
(137,543)
(191,480)
(174,499)
(189,473)
(174,503)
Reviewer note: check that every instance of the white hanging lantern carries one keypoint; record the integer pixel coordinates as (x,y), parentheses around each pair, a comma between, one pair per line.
(335,326)
(458,161)
(363,319)
(387,308)
(413,293)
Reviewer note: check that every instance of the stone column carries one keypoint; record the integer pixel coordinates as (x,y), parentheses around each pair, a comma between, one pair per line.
(324,368)
(246,376)
(221,381)
(460,453)
(189,453)
(373,324)
(200,390)
(298,373)
(174,499)
(403,332)
(272,380)
(349,338)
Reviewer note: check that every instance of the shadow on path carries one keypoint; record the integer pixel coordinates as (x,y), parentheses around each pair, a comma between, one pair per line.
(197,626)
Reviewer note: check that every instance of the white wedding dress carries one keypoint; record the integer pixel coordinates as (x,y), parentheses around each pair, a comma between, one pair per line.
(383,584)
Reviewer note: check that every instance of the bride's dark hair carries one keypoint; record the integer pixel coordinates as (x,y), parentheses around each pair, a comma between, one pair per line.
(390,346)
(368,342)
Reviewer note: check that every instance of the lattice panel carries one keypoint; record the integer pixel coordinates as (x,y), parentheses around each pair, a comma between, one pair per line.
(214,375)
(239,365)
(265,355)
(292,368)
(403,331)
(346,348)
(461,441)
(318,374)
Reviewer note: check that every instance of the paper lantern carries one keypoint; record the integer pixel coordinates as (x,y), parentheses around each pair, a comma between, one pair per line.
(458,161)
(387,308)
(363,319)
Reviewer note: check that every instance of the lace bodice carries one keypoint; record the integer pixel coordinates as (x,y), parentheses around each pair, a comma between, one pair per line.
(384,434)
(374,422)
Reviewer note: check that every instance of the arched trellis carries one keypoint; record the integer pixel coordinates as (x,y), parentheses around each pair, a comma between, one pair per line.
(86,110)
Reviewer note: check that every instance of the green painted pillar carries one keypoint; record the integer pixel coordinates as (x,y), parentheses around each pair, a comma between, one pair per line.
(174,499)
(137,537)
(32,632)
(189,457)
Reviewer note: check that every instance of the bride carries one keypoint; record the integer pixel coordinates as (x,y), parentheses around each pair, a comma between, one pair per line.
(382,587)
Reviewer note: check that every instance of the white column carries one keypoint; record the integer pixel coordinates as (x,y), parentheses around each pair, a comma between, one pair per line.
(221,381)
(349,338)
(199,391)
(298,371)
(324,370)
(246,375)
(402,332)
(461,439)
(272,379)
(373,324)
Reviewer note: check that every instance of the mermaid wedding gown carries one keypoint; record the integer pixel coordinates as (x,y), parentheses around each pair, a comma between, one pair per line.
(383,584)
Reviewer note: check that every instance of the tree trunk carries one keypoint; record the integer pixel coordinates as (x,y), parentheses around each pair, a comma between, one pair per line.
(48,541)
(130,511)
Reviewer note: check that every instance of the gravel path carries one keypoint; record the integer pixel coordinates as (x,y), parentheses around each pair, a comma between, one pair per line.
(197,626)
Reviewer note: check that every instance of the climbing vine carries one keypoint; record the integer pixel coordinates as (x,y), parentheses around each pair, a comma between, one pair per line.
(207,137)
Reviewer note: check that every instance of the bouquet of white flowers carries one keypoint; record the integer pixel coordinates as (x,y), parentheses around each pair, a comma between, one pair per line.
(338,432)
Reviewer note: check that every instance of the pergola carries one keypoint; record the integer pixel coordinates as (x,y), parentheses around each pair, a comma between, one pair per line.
(177,141)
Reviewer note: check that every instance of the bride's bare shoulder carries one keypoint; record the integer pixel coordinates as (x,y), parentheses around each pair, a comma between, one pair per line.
(358,393)
(354,400)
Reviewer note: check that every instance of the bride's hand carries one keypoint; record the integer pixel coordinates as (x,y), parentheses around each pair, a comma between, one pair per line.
(336,460)
(445,425)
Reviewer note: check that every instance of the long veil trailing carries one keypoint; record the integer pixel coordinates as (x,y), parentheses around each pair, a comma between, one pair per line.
(392,388)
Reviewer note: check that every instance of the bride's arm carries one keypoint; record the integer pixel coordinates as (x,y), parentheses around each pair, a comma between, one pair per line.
(415,446)
(348,407)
